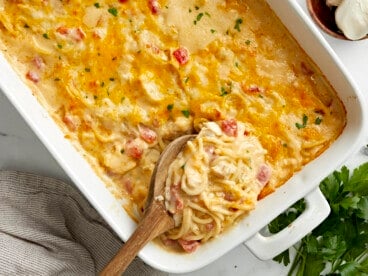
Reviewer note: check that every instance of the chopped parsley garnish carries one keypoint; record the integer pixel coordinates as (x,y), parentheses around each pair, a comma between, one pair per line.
(318,121)
(207,14)
(237,24)
(186,79)
(122,151)
(45,35)
(247,42)
(102,84)
(87,69)
(223,91)
(97,5)
(95,97)
(338,246)
(170,107)
(112,79)
(113,11)
(56,79)
(304,123)
(59,46)
(213,31)
(198,18)
(197,8)
(186,113)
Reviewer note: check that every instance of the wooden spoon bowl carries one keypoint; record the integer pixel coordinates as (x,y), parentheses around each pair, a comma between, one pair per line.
(156,219)
(324,16)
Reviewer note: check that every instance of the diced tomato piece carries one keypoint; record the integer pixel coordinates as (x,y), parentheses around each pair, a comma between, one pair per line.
(147,134)
(210,226)
(182,56)
(33,76)
(154,6)
(78,34)
(69,121)
(229,196)
(63,30)
(264,174)
(133,149)
(189,246)
(230,127)
(176,199)
(128,185)
(168,242)
(38,62)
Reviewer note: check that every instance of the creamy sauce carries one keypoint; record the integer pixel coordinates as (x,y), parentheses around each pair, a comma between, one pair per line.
(124,78)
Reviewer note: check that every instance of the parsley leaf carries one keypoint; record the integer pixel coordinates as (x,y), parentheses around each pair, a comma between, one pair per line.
(113,11)
(338,246)
(304,123)
(237,24)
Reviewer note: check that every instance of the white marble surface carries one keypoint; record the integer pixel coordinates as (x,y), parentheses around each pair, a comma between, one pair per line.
(20,149)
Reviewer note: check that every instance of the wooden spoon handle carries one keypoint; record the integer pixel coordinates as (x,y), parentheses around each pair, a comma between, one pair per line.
(155,222)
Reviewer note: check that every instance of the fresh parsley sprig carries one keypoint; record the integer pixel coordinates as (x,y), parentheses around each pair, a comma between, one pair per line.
(339,245)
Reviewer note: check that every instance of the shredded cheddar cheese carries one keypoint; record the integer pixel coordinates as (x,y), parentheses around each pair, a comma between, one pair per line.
(124,78)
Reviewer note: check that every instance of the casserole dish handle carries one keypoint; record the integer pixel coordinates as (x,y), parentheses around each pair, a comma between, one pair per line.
(266,247)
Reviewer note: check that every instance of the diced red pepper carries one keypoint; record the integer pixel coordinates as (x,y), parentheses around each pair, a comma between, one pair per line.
(176,198)
(147,134)
(182,56)
(264,174)
(230,127)
(189,246)
(154,6)
(38,62)
(33,76)
(133,149)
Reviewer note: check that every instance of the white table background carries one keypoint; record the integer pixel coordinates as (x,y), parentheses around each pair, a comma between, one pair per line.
(20,149)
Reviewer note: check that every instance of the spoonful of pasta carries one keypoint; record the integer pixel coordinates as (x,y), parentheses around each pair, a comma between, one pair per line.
(201,185)
(156,219)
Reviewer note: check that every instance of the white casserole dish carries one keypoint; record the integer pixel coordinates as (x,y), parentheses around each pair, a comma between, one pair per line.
(303,184)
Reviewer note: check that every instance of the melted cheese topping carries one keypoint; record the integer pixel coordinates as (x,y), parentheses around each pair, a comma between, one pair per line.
(124,78)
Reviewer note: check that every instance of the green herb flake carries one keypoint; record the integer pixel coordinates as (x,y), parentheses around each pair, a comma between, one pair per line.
(186,79)
(95,97)
(122,151)
(170,107)
(97,5)
(186,113)
(87,69)
(318,121)
(113,11)
(56,79)
(223,91)
(247,42)
(45,35)
(207,14)
(304,122)
(213,31)
(112,79)
(102,84)
(197,8)
(59,46)
(238,22)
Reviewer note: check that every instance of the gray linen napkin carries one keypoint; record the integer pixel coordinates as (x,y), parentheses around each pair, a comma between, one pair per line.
(48,228)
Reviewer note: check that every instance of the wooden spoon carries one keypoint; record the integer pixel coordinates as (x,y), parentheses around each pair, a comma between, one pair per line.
(156,219)
(324,16)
